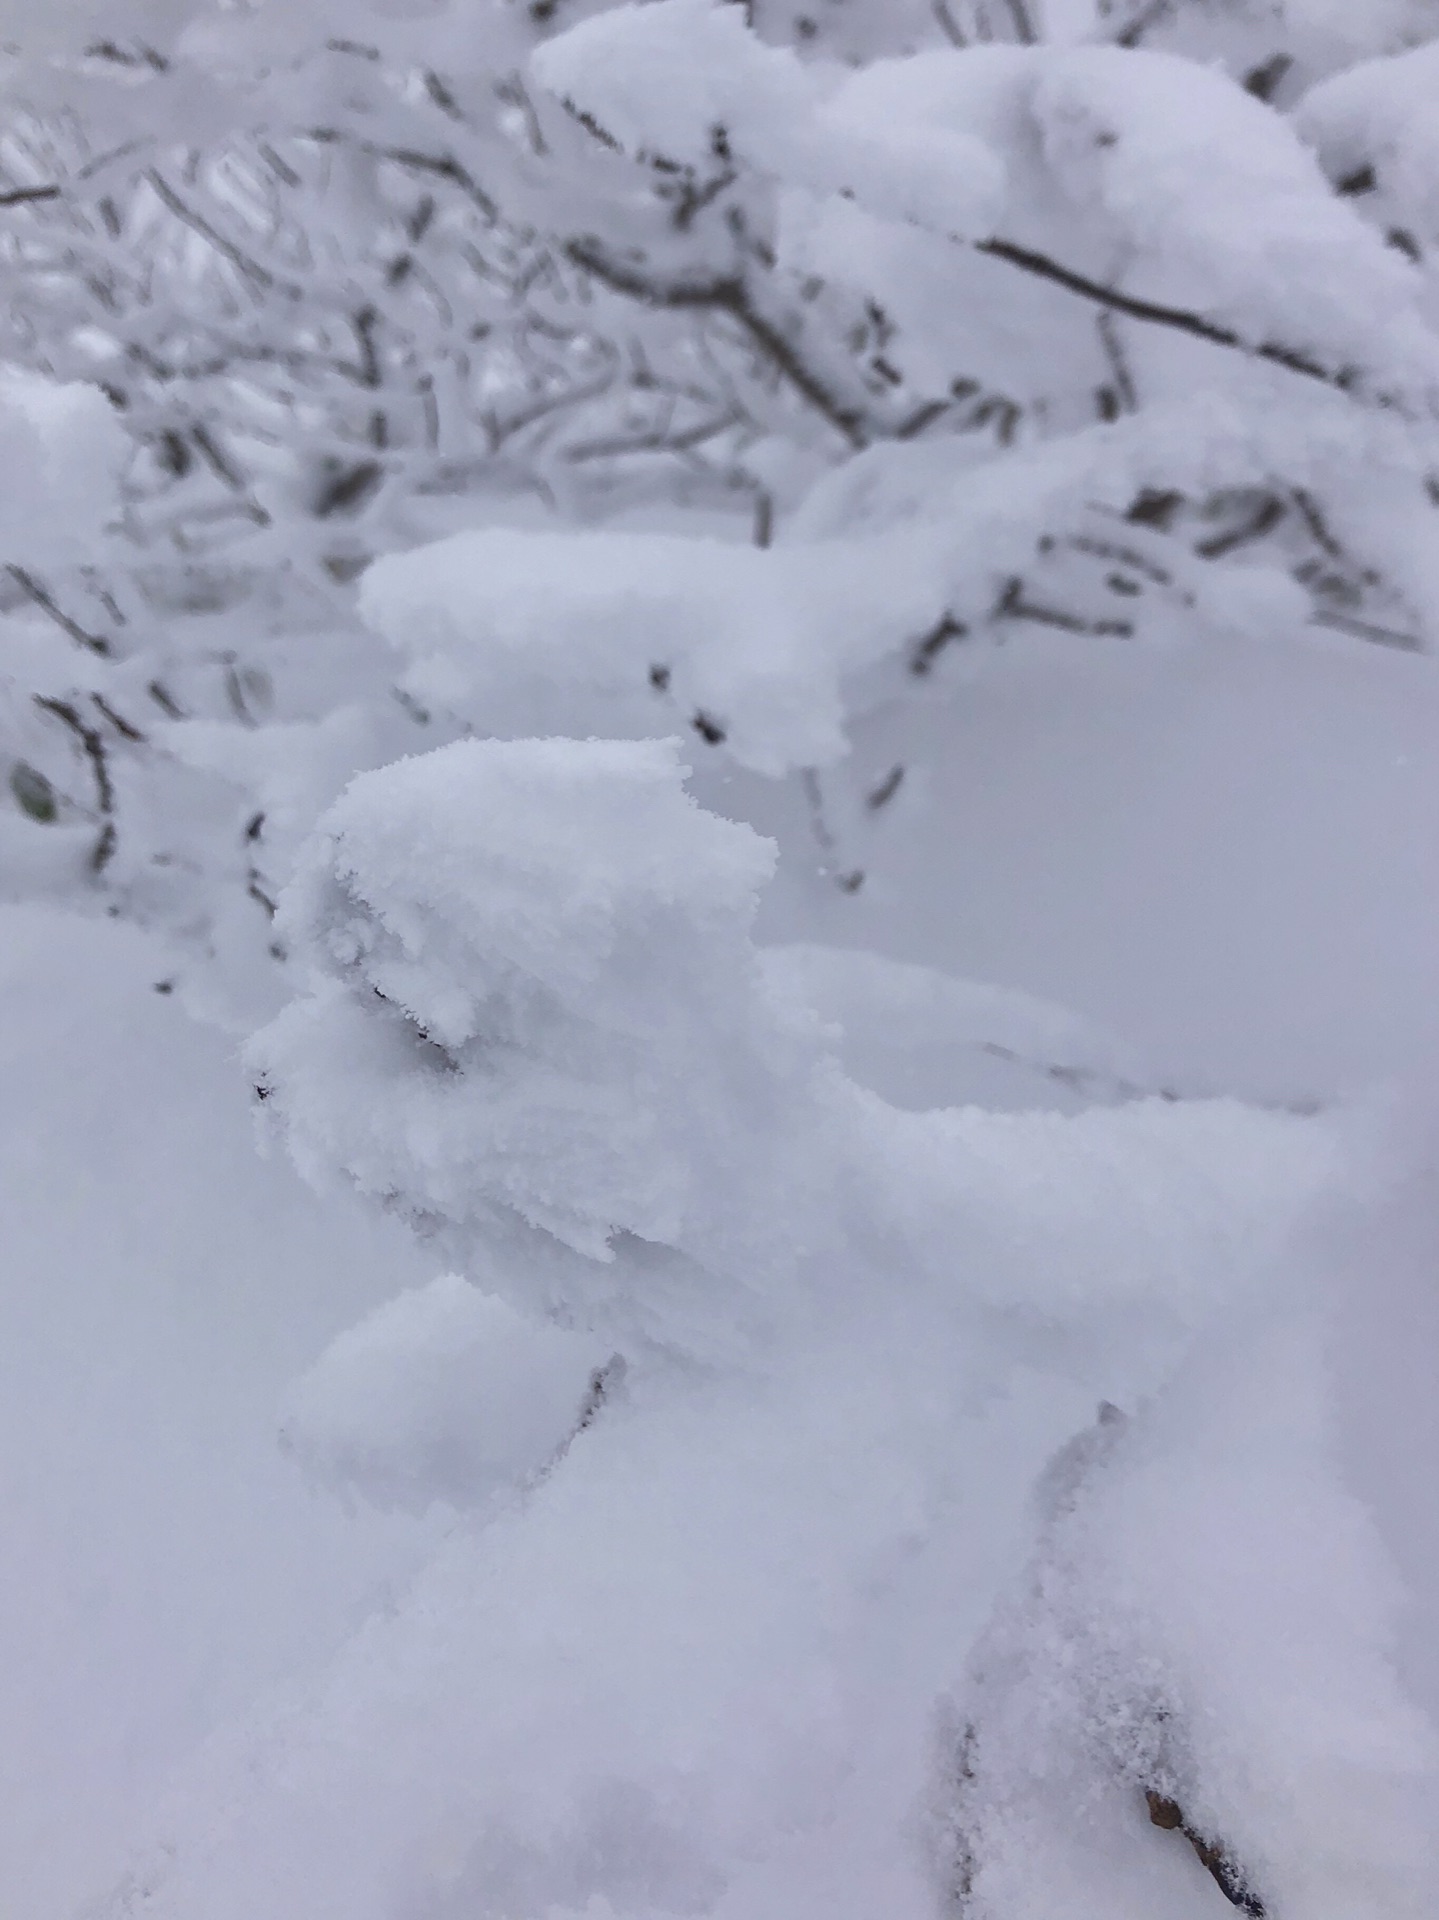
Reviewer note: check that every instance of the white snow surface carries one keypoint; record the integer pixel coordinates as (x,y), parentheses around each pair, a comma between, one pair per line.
(909,1386)
(521,631)
(161,1565)
(442,1393)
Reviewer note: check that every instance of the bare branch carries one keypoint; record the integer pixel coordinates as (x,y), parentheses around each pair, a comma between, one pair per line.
(728,294)
(38,596)
(243,263)
(1295,359)
(1014,606)
(1366,630)
(93,747)
(24,196)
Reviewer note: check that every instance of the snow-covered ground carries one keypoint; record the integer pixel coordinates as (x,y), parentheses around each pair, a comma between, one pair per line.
(162,1286)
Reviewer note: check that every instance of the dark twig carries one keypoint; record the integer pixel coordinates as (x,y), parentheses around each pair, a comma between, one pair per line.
(1366,630)
(24,196)
(1264,519)
(727,294)
(93,747)
(1146,18)
(1121,377)
(1123,555)
(928,649)
(852,879)
(38,596)
(881,795)
(243,262)
(1092,1083)
(1014,606)
(1295,359)
(125,728)
(165,700)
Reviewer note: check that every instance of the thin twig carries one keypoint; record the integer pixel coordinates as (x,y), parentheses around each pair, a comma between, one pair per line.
(38,596)
(1013,606)
(725,294)
(1119,368)
(24,196)
(197,223)
(93,747)
(1366,630)
(1295,359)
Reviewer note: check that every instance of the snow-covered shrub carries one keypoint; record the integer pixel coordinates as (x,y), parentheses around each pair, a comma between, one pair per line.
(62,453)
(539,1028)
(1107,327)
(539,1023)
(353,275)
(1228,436)
(694,1667)
(1202,1645)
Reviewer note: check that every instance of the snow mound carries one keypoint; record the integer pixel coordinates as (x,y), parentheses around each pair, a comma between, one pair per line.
(1200,1651)
(539,1028)
(442,1394)
(538,1018)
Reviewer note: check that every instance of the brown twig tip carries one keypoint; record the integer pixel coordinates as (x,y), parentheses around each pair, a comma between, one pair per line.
(1167,1813)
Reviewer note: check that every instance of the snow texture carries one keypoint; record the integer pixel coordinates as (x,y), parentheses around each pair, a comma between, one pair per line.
(516,630)
(443,1393)
(66,443)
(928,1409)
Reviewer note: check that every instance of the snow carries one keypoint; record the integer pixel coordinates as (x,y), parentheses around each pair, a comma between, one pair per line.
(66,441)
(922,1038)
(858,1331)
(518,630)
(1223,852)
(1377,115)
(442,1393)
(1294,1745)
(1152,153)
(662,80)
(500,1043)
(715,1634)
(162,1565)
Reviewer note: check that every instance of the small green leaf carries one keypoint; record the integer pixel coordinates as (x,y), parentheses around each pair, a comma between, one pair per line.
(33,792)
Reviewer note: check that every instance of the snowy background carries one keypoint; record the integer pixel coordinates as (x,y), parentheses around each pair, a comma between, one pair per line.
(720,903)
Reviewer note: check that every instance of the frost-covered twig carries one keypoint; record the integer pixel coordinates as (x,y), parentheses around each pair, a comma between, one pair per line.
(1181,319)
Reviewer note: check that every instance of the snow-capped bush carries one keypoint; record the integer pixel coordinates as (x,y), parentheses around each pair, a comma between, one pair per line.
(527,383)
(558,1046)
(1203,1645)
(539,1028)
(714,1636)
(352,276)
